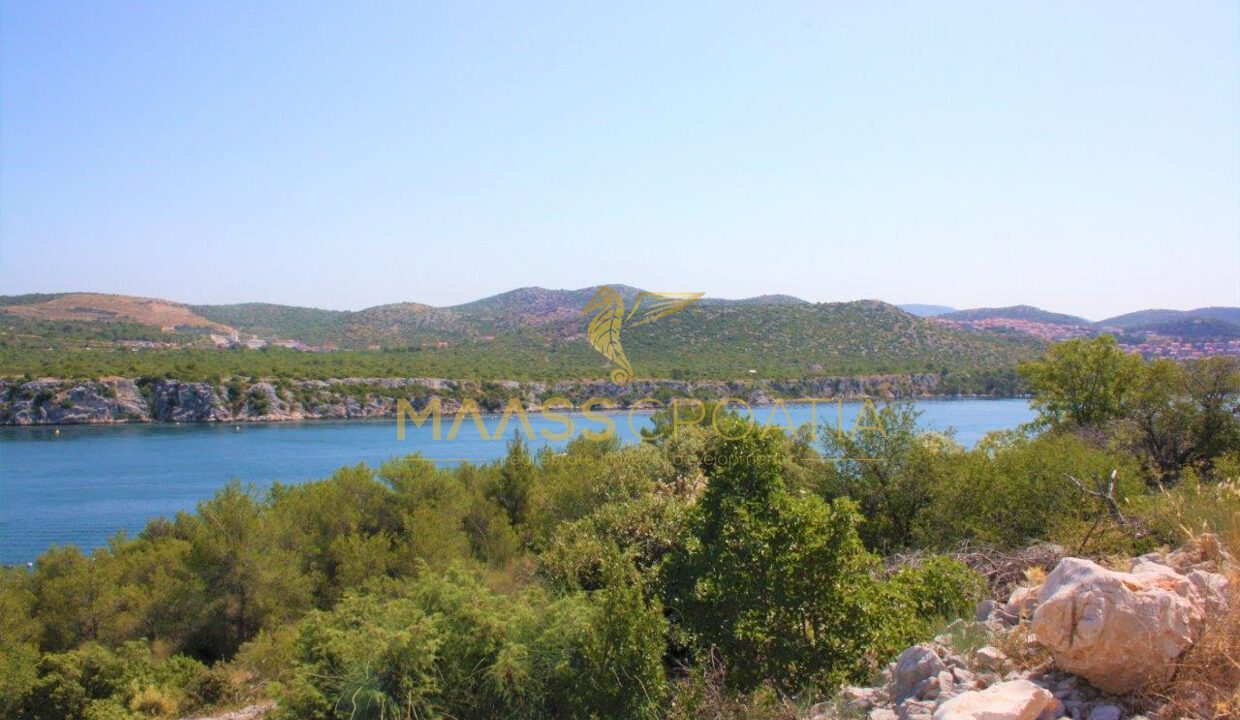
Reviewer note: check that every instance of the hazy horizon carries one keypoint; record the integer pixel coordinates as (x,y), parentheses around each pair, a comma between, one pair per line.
(1083,159)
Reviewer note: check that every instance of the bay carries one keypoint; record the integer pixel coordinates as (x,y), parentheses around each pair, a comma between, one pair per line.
(81,484)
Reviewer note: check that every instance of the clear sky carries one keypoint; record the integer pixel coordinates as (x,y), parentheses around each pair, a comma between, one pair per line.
(1079,156)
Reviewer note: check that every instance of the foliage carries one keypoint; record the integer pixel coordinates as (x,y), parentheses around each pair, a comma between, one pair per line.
(1183,415)
(1021,493)
(448,647)
(780,583)
(1082,383)
(888,468)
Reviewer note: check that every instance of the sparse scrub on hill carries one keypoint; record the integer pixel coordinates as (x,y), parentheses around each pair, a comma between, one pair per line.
(707,341)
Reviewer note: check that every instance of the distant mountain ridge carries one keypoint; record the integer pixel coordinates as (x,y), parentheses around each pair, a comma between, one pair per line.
(1017,312)
(1148,318)
(922,310)
(506,311)
(1192,328)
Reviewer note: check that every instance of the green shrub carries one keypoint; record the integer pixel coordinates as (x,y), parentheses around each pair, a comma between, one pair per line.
(1021,493)
(446,646)
(780,584)
(598,655)
(889,469)
(940,589)
(153,702)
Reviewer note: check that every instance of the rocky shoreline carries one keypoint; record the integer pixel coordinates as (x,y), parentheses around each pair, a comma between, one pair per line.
(55,401)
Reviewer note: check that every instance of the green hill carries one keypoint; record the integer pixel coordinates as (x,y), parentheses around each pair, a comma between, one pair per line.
(1226,314)
(310,325)
(1147,319)
(530,333)
(1141,318)
(1192,328)
(551,314)
(1016,312)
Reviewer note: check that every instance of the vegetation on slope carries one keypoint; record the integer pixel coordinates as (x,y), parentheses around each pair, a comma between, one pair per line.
(1146,318)
(309,325)
(714,341)
(1016,312)
(1192,329)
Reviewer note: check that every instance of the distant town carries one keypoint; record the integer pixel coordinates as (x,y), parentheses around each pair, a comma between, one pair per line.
(1148,345)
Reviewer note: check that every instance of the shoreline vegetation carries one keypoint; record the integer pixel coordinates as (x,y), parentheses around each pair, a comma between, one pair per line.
(117,400)
(657,580)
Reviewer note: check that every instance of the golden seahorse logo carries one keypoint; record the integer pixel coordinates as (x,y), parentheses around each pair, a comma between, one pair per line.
(608,308)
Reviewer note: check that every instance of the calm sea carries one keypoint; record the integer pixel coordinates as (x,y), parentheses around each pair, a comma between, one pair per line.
(84,483)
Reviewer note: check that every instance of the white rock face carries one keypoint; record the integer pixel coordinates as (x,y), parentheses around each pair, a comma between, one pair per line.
(1013,700)
(1120,631)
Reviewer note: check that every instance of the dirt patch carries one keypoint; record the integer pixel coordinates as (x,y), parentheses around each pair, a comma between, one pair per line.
(96,307)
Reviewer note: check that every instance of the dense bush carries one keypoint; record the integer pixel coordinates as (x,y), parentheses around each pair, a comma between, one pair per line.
(446,646)
(781,583)
(1022,493)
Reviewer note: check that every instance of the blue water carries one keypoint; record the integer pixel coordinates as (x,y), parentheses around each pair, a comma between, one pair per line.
(84,483)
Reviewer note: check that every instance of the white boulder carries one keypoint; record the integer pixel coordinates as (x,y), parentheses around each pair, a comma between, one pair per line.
(1120,631)
(1012,700)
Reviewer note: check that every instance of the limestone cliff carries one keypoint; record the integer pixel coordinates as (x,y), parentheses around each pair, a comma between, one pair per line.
(51,401)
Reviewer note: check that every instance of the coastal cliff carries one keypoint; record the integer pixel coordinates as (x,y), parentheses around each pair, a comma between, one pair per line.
(51,401)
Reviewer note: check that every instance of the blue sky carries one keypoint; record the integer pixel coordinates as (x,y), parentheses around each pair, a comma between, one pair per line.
(1083,157)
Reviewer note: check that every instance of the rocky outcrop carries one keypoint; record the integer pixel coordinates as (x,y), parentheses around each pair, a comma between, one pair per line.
(57,402)
(174,401)
(1083,644)
(1122,630)
(113,400)
(953,679)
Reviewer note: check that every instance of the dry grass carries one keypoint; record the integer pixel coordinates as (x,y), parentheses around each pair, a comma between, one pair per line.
(1023,650)
(704,695)
(1207,683)
(97,306)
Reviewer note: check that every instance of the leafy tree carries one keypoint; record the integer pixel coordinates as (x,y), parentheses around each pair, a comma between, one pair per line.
(1161,419)
(1082,383)
(887,466)
(19,640)
(1214,385)
(1183,414)
(78,598)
